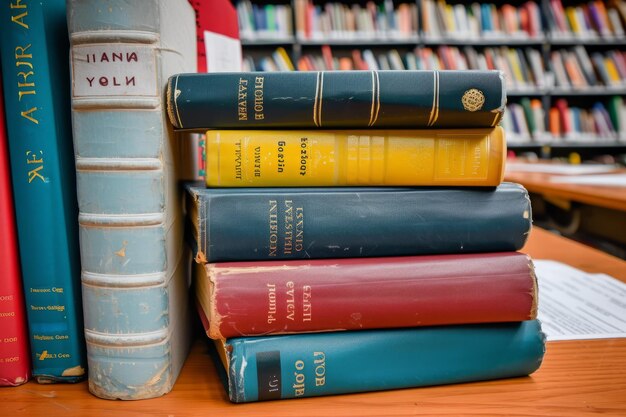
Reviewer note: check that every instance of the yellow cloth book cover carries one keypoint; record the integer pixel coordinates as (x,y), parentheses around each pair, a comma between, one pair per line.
(284,158)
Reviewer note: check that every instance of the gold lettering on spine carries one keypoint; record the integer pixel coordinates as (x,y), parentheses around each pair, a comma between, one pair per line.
(307,308)
(259,83)
(273,228)
(291,301)
(238,171)
(19,18)
(319,360)
(25,87)
(31,158)
(242,100)
(271,306)
(298,385)
(299,241)
(288,227)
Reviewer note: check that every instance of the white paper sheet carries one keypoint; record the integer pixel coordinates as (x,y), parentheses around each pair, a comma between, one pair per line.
(222,53)
(614,180)
(574,304)
(561,169)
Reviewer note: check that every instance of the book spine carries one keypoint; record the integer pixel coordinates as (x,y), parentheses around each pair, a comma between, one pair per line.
(35,76)
(265,224)
(14,349)
(266,158)
(133,274)
(341,99)
(366,293)
(307,365)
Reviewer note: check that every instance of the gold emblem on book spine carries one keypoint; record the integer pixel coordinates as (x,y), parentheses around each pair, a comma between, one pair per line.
(473,100)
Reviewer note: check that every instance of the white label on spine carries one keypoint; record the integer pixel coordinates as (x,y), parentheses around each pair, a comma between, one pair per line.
(114,70)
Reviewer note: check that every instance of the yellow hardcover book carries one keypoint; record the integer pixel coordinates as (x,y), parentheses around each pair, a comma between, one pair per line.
(572,19)
(307,158)
(284,56)
(611,69)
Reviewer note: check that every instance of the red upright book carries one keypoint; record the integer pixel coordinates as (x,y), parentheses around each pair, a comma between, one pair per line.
(271,297)
(14,350)
(216,23)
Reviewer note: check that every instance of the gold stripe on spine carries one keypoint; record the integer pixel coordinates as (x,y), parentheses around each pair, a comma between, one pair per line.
(377,99)
(437,107)
(495,119)
(176,94)
(315,101)
(372,110)
(434,113)
(319,109)
(432,110)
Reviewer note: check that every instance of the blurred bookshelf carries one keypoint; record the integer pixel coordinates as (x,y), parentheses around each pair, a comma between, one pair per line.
(564,61)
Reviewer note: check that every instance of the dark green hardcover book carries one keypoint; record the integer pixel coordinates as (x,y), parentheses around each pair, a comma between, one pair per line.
(35,66)
(236,224)
(336,99)
(315,364)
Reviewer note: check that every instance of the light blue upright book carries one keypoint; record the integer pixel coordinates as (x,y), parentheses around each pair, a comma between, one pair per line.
(33,44)
(313,364)
(134,279)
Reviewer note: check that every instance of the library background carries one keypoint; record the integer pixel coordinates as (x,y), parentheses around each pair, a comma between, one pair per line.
(497,289)
(565,66)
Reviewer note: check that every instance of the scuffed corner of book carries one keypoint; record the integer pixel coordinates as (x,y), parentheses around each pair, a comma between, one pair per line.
(236,372)
(200,257)
(171,103)
(215,318)
(502,77)
(535,290)
(18,380)
(544,339)
(74,371)
(527,214)
(102,384)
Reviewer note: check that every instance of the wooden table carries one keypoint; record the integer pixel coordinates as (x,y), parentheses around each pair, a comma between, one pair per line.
(602,196)
(577,378)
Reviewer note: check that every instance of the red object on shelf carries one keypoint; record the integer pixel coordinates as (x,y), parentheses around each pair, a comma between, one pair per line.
(14,348)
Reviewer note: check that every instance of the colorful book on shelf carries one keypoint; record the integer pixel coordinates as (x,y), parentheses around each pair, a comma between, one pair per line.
(337,99)
(14,349)
(314,364)
(33,40)
(299,158)
(137,323)
(232,224)
(297,296)
(217,32)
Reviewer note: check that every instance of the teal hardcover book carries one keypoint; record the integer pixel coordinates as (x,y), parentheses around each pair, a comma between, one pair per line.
(306,365)
(336,99)
(34,44)
(134,280)
(236,224)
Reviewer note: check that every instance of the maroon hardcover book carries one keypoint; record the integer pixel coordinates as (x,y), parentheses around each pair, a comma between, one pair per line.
(14,350)
(272,297)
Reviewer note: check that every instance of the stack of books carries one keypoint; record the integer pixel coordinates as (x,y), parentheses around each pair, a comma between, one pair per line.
(354,234)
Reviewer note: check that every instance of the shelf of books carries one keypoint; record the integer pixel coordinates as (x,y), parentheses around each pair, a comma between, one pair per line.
(564,62)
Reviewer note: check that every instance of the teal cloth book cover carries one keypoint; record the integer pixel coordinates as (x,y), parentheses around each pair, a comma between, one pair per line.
(342,222)
(137,319)
(337,99)
(34,45)
(306,365)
